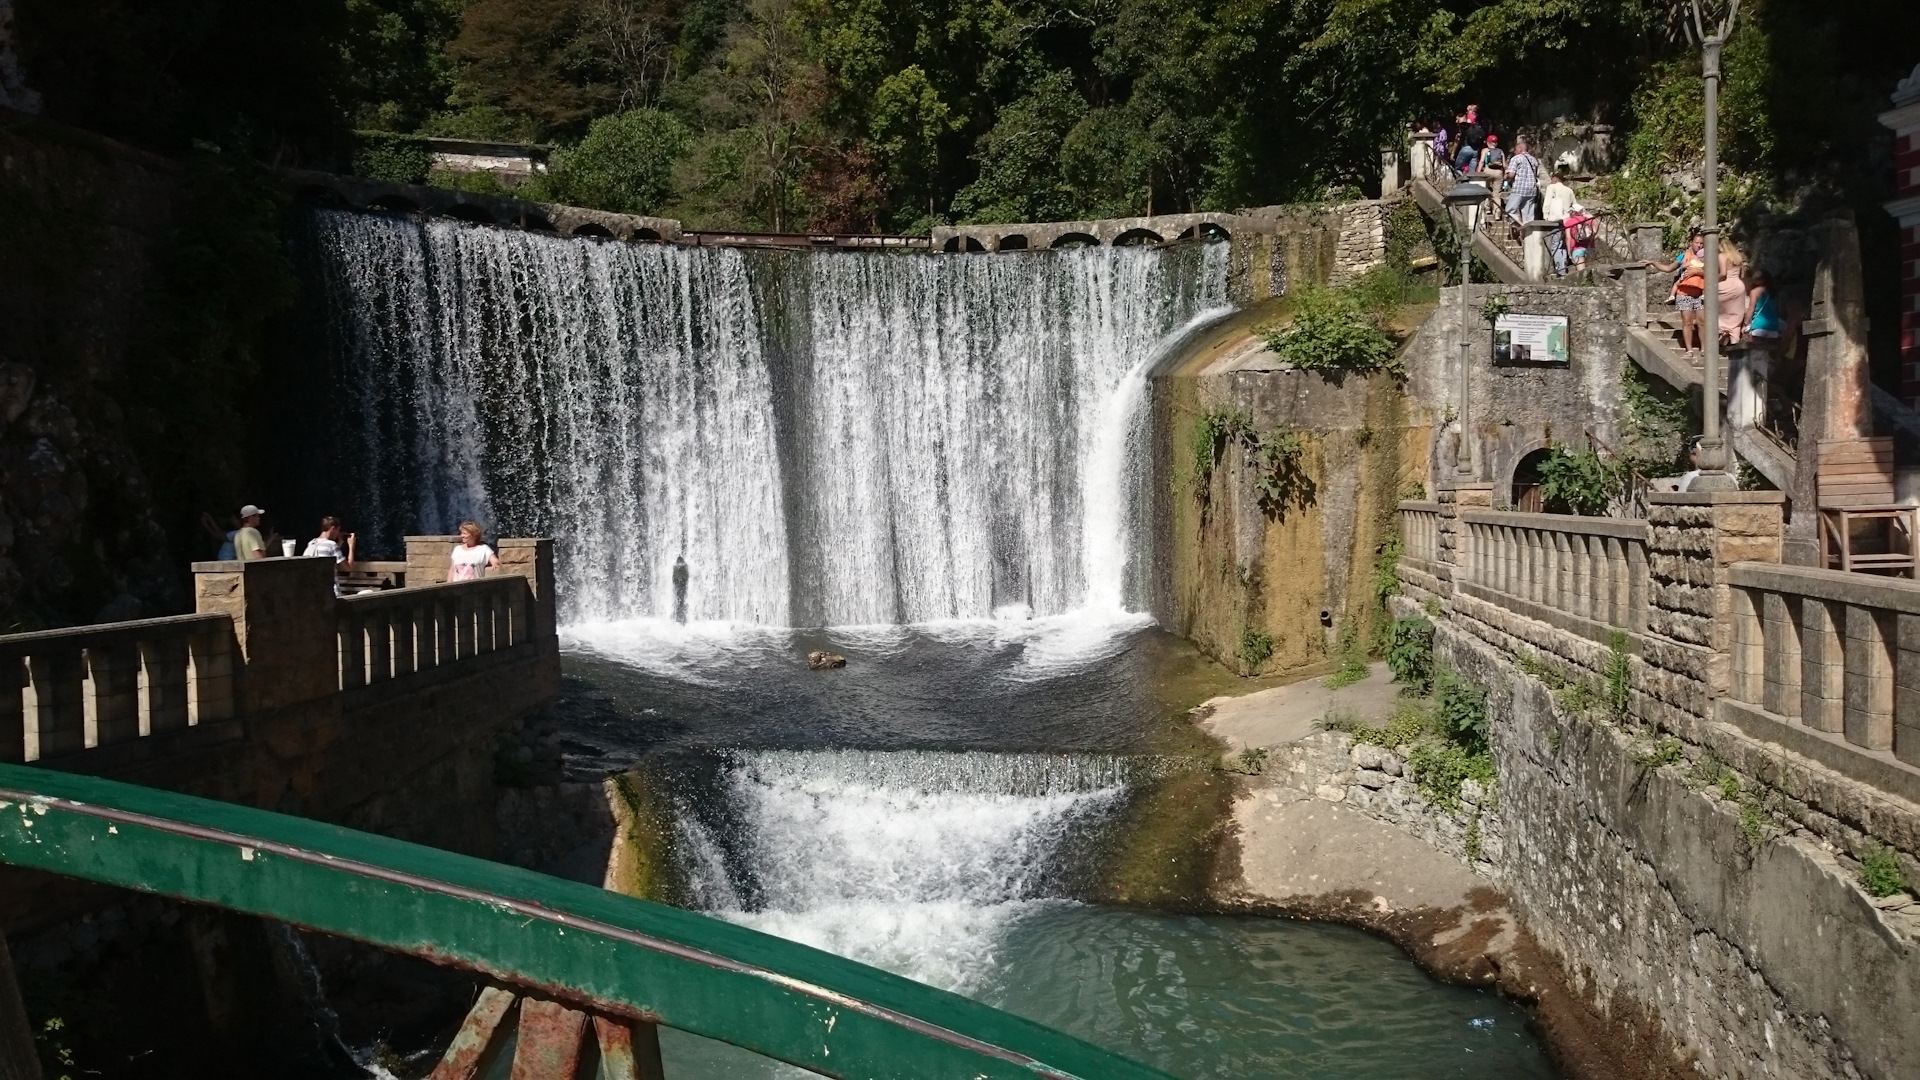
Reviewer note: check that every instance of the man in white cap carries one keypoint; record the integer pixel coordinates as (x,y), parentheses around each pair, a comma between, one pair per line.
(247,543)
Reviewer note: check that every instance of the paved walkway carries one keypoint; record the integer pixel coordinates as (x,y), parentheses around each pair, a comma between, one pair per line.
(1288,713)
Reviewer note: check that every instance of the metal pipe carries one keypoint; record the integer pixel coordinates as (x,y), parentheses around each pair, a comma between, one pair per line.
(1464,466)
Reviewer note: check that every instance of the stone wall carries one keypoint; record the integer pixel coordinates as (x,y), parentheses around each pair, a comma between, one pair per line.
(1516,410)
(1680,867)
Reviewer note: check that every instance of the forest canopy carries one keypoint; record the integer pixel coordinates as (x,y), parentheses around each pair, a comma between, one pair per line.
(894,115)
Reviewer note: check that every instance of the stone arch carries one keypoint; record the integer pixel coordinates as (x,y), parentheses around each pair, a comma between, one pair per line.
(645,235)
(479,215)
(952,244)
(1524,484)
(1136,238)
(1207,230)
(1074,240)
(394,202)
(972,243)
(591,229)
(320,195)
(1016,242)
(534,222)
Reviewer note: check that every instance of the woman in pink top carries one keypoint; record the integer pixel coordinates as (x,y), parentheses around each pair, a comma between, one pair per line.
(1733,295)
(471,555)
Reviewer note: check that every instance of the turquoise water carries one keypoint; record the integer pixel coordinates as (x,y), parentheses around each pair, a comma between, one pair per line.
(1224,996)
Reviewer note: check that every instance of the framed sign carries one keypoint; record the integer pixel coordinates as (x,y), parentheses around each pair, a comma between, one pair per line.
(1530,339)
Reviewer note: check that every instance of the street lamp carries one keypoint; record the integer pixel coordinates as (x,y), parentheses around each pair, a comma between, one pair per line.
(1713,451)
(1463,206)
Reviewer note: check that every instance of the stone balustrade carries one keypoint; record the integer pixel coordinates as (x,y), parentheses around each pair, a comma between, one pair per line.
(63,691)
(393,634)
(1420,532)
(1825,660)
(1593,569)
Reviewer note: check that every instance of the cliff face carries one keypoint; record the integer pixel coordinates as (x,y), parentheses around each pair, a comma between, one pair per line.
(124,370)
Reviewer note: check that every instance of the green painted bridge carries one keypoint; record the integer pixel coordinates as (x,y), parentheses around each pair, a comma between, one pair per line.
(584,976)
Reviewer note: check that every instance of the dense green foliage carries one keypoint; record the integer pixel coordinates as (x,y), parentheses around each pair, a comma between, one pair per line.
(1331,331)
(1445,741)
(1275,456)
(404,159)
(896,114)
(1256,647)
(1581,481)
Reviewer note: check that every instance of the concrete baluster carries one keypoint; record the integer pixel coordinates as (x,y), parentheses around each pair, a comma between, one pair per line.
(1869,683)
(518,612)
(446,646)
(13,716)
(1583,568)
(55,703)
(485,629)
(1780,626)
(1636,586)
(1562,596)
(210,689)
(406,633)
(112,696)
(163,685)
(1823,669)
(463,616)
(1748,646)
(1906,691)
(353,651)
(379,645)
(1616,582)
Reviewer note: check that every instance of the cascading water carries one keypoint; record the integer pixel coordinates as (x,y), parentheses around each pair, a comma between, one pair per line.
(827,438)
(914,861)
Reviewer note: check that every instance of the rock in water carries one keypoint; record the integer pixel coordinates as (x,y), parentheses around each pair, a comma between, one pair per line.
(818,659)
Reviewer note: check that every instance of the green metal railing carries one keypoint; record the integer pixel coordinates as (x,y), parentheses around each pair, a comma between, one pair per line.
(614,955)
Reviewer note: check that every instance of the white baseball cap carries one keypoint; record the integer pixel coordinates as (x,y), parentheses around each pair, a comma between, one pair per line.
(249,510)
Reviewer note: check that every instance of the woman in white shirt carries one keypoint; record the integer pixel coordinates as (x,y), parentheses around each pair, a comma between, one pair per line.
(471,555)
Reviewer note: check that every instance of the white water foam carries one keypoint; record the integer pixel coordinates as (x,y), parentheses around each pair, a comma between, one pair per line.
(916,862)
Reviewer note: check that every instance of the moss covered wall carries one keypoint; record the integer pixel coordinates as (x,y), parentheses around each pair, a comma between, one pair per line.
(1231,567)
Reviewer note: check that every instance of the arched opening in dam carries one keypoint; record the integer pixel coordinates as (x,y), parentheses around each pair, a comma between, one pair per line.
(940,467)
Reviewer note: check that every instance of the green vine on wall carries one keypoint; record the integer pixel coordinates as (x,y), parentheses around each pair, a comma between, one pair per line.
(1276,456)
(1333,331)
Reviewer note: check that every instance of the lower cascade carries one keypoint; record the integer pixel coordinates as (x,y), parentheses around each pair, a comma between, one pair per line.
(913,861)
(826,438)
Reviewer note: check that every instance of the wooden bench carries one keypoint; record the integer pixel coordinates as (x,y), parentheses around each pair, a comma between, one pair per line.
(1855,478)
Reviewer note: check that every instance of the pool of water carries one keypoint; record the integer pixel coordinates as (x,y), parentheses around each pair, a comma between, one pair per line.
(933,807)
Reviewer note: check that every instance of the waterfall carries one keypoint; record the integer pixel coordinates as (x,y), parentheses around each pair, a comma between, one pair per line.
(827,438)
(916,861)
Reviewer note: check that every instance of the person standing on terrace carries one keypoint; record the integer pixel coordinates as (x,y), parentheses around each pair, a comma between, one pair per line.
(247,542)
(470,555)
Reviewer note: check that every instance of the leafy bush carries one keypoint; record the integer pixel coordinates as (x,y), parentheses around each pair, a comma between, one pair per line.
(1462,709)
(1251,761)
(1277,457)
(1332,332)
(1256,647)
(382,155)
(1410,654)
(1209,438)
(1439,768)
(1880,872)
(624,164)
(1411,721)
(1581,481)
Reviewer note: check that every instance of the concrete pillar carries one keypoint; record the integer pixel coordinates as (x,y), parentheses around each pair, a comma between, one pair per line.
(1869,685)
(1780,627)
(283,627)
(1420,155)
(1389,173)
(1823,667)
(1749,650)
(113,694)
(429,559)
(55,710)
(1906,691)
(532,558)
(1535,252)
(1836,399)
(1645,241)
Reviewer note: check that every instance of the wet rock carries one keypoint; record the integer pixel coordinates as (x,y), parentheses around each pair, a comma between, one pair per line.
(819,659)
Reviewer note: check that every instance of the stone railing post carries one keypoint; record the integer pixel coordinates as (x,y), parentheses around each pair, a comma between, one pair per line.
(1645,241)
(284,631)
(429,558)
(1696,537)
(1537,254)
(532,559)
(1389,173)
(1420,155)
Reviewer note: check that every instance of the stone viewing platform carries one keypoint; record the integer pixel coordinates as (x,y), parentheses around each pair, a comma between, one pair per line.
(380,710)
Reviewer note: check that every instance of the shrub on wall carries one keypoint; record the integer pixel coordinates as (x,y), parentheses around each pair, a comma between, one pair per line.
(382,155)
(1331,331)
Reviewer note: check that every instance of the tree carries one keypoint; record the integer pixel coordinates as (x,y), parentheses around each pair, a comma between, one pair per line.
(624,164)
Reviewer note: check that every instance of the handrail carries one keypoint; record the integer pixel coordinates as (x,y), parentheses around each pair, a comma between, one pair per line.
(1624,528)
(615,954)
(104,634)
